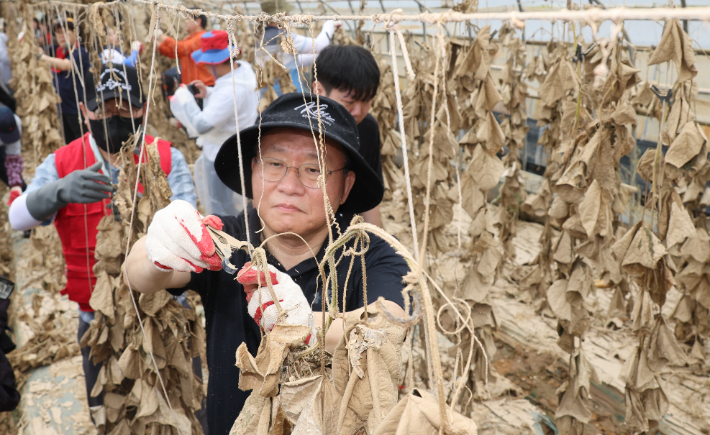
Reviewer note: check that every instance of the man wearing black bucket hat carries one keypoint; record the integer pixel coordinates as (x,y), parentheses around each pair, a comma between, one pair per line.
(281,175)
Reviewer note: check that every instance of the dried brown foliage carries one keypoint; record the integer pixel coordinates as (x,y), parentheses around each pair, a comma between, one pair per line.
(134,400)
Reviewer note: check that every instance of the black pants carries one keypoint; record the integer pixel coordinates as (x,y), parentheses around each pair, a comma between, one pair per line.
(72,127)
(91,370)
(91,374)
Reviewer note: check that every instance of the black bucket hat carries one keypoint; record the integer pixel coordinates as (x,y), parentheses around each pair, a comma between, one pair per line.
(116,81)
(290,110)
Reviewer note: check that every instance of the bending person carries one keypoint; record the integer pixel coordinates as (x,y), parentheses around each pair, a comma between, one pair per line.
(72,187)
(215,123)
(281,174)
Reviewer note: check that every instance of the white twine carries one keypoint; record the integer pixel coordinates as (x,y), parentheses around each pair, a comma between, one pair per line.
(233,41)
(403,141)
(591,15)
(128,238)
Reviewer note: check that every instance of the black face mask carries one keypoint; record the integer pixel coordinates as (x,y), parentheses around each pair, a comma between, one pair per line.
(118,129)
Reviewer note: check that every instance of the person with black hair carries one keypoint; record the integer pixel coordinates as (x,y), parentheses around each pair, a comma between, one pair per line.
(282,171)
(189,69)
(349,75)
(68,80)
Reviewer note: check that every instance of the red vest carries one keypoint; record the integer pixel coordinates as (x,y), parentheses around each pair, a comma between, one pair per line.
(77,223)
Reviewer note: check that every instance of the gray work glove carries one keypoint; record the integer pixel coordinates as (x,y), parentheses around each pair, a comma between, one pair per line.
(80,187)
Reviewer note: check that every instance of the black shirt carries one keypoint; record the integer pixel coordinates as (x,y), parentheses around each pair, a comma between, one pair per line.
(67,81)
(369,133)
(229,324)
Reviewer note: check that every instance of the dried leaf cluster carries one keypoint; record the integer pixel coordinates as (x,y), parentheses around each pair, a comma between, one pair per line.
(357,393)
(34,91)
(514,93)
(134,402)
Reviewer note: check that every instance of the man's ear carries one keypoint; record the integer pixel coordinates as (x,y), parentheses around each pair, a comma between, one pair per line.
(347,186)
(319,89)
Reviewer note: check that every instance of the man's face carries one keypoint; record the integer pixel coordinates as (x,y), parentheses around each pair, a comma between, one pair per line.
(192,25)
(59,35)
(112,38)
(358,109)
(288,204)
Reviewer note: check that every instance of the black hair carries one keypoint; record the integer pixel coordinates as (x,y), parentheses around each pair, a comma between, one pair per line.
(348,68)
(203,20)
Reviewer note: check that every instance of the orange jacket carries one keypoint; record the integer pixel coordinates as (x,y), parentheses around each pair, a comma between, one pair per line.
(188,68)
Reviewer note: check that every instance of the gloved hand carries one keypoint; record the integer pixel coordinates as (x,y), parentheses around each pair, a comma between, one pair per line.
(137,46)
(261,306)
(158,35)
(80,187)
(177,239)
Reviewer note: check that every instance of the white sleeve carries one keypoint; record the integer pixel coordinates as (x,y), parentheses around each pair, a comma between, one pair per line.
(305,59)
(20,217)
(319,42)
(179,103)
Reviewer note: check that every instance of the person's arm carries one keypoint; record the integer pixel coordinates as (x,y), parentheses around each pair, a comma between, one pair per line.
(84,186)
(177,243)
(13,162)
(218,110)
(184,47)
(336,330)
(132,60)
(56,63)
(19,216)
(144,277)
(180,179)
(308,45)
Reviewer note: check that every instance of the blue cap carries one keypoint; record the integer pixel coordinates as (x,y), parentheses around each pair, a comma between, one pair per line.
(9,133)
(214,48)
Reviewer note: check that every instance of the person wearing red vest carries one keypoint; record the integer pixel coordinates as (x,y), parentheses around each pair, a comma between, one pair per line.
(73,186)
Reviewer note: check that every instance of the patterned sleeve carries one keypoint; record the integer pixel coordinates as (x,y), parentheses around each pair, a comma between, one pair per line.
(180,178)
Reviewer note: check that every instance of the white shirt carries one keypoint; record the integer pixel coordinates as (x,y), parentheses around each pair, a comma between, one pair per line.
(216,123)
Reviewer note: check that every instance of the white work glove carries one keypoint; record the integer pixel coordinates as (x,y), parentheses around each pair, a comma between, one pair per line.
(262,308)
(178,239)
(157,34)
(136,46)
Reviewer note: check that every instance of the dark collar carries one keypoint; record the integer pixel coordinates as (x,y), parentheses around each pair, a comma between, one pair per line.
(305,266)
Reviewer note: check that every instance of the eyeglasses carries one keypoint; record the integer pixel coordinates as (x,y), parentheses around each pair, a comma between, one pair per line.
(126,112)
(271,169)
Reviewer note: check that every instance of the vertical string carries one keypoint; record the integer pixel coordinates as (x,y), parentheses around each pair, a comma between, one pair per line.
(233,42)
(130,230)
(403,142)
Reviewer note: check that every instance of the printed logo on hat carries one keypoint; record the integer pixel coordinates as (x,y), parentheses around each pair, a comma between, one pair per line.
(112,84)
(310,110)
